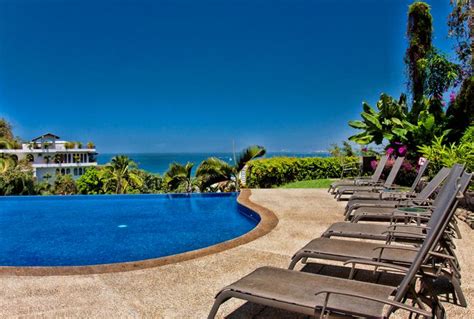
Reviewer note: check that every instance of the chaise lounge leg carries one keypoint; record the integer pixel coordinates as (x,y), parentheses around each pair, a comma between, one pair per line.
(295,259)
(222,297)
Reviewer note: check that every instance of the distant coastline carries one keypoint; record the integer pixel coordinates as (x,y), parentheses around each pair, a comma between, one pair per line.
(159,162)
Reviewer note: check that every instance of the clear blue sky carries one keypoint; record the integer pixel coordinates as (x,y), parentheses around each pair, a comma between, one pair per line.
(187,75)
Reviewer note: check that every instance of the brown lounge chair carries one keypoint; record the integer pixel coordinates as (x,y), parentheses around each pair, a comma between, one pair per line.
(375,187)
(422,198)
(374,253)
(368,214)
(362,180)
(312,294)
(343,250)
(394,192)
(402,232)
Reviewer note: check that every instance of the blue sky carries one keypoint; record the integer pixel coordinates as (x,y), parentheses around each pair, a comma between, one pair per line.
(186,75)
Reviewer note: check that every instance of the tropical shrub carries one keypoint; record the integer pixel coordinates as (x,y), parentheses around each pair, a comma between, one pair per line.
(271,172)
(460,113)
(64,185)
(14,181)
(443,154)
(91,182)
(389,121)
(152,183)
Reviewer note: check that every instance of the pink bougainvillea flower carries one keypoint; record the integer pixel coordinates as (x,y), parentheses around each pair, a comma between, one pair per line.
(402,150)
(390,151)
(407,166)
(373,164)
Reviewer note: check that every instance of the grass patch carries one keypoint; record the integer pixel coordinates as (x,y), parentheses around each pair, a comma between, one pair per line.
(315,183)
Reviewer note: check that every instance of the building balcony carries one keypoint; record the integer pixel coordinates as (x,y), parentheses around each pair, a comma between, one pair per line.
(58,165)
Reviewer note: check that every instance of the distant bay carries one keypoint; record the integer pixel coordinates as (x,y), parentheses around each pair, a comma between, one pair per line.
(159,162)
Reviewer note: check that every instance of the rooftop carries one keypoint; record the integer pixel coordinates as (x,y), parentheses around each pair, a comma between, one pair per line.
(46,136)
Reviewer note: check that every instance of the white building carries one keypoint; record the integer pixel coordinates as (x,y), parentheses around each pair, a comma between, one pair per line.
(50,157)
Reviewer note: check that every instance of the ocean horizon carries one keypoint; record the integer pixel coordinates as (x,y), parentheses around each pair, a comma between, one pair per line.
(159,162)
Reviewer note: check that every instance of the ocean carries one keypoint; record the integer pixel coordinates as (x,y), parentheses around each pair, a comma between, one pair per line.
(159,162)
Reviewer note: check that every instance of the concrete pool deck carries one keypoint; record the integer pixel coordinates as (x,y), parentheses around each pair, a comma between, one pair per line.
(186,289)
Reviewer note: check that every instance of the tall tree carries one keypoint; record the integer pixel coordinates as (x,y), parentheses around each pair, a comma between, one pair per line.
(119,175)
(6,130)
(179,178)
(419,32)
(461,28)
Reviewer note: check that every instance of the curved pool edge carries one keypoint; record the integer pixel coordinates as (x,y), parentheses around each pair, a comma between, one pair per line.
(268,221)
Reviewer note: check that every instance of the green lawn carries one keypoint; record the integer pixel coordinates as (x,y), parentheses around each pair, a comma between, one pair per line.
(315,183)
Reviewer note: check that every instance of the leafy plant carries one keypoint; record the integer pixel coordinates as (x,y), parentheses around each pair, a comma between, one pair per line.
(90,145)
(69,145)
(216,171)
(64,185)
(389,121)
(443,154)
(91,182)
(15,181)
(272,172)
(119,175)
(179,178)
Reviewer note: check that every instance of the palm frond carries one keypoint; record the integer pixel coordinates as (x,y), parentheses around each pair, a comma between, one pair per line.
(249,154)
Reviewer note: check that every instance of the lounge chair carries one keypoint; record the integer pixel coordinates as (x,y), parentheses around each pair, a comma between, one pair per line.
(418,206)
(422,198)
(374,187)
(362,180)
(403,232)
(342,250)
(393,192)
(401,255)
(312,294)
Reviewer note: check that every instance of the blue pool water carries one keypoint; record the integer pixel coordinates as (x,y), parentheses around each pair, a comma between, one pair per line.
(90,230)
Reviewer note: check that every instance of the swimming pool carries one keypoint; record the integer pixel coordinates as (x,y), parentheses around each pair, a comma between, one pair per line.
(103,229)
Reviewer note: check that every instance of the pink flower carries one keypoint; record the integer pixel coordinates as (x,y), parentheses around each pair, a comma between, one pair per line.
(402,150)
(390,151)
(407,166)
(373,164)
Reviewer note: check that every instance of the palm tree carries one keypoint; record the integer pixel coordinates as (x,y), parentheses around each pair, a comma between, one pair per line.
(214,170)
(178,177)
(119,174)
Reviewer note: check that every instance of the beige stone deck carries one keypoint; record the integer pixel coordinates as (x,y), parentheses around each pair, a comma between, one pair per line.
(186,289)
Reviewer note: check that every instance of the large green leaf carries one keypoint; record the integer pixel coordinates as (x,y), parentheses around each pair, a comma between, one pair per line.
(401,132)
(362,138)
(372,119)
(357,124)
(368,109)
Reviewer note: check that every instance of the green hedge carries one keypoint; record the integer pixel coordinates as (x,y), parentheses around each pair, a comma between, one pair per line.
(271,172)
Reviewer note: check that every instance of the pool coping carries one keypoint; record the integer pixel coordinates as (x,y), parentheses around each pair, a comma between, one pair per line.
(268,221)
